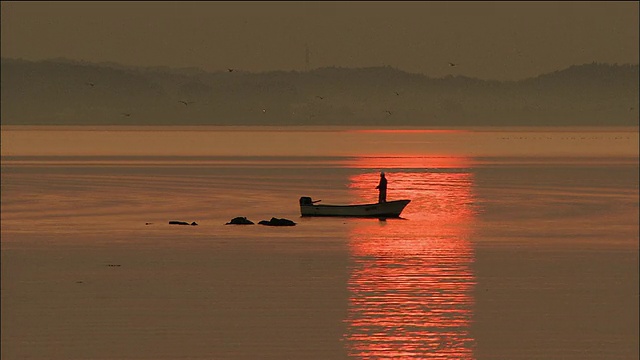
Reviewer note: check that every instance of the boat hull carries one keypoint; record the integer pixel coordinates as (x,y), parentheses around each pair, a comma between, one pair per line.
(387,209)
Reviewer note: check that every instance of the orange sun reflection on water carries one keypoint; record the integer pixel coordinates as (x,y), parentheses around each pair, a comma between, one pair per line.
(411,280)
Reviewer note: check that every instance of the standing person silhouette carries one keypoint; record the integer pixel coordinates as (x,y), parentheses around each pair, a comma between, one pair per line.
(382,187)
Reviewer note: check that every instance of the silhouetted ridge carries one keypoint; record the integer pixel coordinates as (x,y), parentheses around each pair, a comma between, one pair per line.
(65,91)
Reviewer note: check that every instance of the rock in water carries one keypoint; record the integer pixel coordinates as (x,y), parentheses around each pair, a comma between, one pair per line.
(174,222)
(277,222)
(240,220)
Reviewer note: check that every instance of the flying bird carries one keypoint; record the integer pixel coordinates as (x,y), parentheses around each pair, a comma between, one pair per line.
(397,93)
(186,103)
(388,112)
(90,83)
(126,114)
(452,64)
(320,97)
(230,70)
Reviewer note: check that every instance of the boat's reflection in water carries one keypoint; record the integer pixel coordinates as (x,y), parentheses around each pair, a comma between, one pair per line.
(411,282)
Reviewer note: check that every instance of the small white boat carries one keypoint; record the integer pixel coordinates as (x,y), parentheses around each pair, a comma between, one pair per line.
(389,209)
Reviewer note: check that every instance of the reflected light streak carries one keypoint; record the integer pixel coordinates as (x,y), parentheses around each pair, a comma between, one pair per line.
(411,283)
(395,130)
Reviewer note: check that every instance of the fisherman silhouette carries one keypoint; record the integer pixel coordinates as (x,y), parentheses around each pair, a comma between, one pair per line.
(382,187)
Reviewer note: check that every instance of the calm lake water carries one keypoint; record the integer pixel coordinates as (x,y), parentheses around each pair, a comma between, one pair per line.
(518,243)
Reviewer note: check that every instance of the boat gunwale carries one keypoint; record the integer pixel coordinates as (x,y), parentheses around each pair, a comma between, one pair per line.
(406,201)
(393,209)
(355,216)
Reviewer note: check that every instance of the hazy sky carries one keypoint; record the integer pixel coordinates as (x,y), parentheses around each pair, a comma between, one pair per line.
(488,40)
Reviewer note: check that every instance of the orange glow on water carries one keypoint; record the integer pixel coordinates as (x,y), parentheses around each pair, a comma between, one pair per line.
(411,282)
(412,162)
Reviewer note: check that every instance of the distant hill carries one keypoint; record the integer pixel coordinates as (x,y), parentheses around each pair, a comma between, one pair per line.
(70,92)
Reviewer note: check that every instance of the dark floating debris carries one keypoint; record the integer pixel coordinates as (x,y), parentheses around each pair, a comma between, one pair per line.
(174,222)
(277,222)
(148,223)
(113,265)
(240,220)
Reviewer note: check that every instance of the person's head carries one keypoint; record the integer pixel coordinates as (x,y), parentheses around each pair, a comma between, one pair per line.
(382,174)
